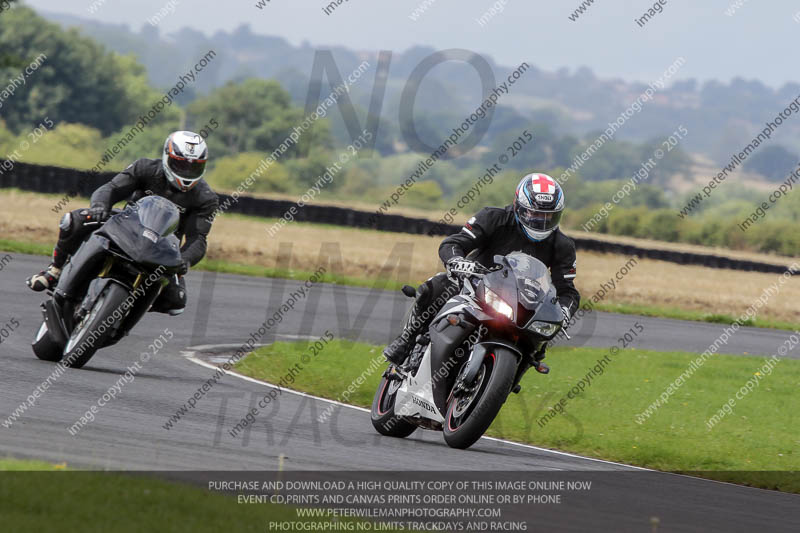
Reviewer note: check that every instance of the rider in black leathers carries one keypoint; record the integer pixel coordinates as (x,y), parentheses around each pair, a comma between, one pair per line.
(177,176)
(529,225)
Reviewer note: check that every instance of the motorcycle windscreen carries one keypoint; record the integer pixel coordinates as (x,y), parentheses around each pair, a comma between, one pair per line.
(158,214)
(141,244)
(533,280)
(145,230)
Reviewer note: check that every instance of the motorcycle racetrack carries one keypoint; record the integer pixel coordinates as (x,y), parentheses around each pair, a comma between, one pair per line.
(130,432)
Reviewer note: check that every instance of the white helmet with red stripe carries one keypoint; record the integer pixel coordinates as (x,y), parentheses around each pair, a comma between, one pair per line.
(184,159)
(538,205)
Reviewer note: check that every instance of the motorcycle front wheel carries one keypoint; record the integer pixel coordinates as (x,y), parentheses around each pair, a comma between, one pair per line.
(97,326)
(469,415)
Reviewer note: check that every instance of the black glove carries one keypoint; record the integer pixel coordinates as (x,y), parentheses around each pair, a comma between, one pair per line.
(184,268)
(458,267)
(97,214)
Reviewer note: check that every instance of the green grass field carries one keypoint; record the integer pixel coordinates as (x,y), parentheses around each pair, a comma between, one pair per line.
(760,435)
(35,497)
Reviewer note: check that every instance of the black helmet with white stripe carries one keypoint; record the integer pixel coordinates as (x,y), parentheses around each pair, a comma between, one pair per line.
(184,159)
(538,205)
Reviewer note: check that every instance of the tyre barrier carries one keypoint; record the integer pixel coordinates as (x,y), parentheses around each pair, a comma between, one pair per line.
(58,180)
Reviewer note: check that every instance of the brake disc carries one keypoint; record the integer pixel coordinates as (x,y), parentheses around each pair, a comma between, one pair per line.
(463,402)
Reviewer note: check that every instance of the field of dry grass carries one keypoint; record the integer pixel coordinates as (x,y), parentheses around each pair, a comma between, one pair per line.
(364,253)
(697,178)
(685,247)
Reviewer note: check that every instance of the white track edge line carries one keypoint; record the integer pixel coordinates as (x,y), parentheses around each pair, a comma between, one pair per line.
(189,354)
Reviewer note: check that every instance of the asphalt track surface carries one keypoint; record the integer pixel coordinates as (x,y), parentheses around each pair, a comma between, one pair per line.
(129,434)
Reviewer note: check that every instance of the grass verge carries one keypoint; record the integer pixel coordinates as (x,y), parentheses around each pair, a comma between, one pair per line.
(359,256)
(33,497)
(692,315)
(229,267)
(25,465)
(19,247)
(756,445)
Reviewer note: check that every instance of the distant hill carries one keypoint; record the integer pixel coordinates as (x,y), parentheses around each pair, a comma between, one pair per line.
(721,118)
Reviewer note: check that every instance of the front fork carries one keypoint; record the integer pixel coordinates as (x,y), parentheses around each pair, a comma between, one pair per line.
(478,351)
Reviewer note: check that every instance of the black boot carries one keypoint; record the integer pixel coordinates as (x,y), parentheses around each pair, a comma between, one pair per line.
(399,349)
(538,364)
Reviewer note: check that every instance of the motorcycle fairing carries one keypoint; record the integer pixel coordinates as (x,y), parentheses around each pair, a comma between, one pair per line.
(82,266)
(445,338)
(414,398)
(55,323)
(532,288)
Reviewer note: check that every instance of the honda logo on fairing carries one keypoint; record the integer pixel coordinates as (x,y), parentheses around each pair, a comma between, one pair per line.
(425,405)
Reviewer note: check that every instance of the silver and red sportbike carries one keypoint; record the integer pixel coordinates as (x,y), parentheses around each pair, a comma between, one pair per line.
(473,355)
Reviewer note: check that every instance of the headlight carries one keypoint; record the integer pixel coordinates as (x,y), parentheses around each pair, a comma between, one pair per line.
(545,329)
(497,303)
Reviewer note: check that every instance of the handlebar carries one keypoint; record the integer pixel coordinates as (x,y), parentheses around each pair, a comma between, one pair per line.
(479,271)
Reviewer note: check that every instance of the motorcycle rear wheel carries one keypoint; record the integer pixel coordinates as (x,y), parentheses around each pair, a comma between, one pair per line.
(382,413)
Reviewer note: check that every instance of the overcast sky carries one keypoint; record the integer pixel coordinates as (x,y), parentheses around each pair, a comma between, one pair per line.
(759,41)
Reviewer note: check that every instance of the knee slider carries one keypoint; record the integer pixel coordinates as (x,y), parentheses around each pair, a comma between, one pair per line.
(180,293)
(181,299)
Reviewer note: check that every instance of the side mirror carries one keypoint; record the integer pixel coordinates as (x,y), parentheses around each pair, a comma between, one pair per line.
(409,291)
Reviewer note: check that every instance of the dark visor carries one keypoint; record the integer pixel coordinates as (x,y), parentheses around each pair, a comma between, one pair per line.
(187,168)
(538,220)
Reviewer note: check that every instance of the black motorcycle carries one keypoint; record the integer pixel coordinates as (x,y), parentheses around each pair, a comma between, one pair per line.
(475,352)
(108,285)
